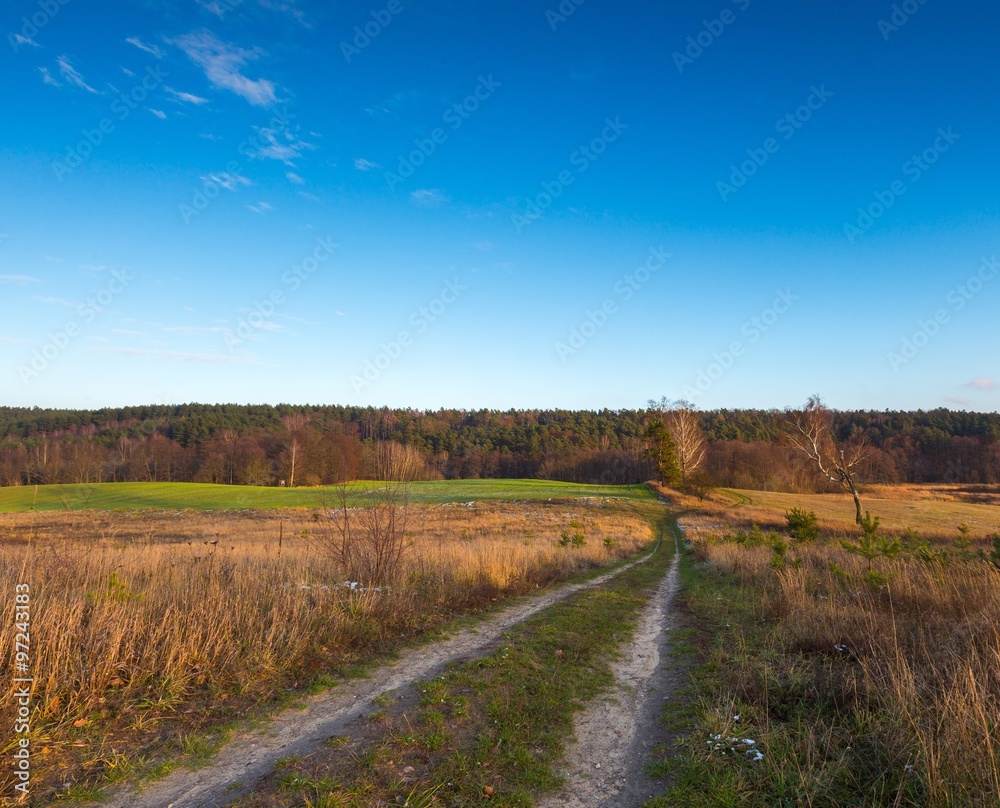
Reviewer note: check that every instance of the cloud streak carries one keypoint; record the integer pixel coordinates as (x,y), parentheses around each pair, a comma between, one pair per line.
(19,280)
(187,98)
(982,383)
(72,75)
(429,196)
(223,65)
(156,51)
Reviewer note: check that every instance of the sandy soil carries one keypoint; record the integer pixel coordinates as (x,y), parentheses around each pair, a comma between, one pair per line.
(252,755)
(614,736)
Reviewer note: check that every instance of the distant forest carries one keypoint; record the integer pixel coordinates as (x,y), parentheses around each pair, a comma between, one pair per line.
(313,445)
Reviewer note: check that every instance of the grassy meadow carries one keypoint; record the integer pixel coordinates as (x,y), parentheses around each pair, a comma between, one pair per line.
(152,630)
(837,672)
(204,496)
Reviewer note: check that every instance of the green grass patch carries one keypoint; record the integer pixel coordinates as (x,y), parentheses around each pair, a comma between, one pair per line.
(203,496)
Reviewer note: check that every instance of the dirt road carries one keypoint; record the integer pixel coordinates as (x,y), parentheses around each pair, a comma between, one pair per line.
(252,755)
(614,736)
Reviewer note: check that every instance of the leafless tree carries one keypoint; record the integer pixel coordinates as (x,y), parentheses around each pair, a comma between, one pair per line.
(394,461)
(369,542)
(684,425)
(294,423)
(810,431)
(367,534)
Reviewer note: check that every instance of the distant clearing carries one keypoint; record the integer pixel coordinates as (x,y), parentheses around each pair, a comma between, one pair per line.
(199,496)
(932,517)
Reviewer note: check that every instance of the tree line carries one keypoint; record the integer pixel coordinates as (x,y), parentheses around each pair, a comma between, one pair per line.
(312,445)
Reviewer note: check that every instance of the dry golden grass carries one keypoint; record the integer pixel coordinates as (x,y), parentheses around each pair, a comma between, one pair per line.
(143,630)
(934,511)
(912,660)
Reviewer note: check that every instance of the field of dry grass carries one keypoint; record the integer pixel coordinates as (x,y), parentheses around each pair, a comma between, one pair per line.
(861,683)
(149,630)
(934,511)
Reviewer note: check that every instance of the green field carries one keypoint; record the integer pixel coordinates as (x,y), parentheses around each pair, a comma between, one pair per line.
(199,496)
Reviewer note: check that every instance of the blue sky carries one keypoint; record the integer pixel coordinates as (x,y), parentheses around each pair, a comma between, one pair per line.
(499,204)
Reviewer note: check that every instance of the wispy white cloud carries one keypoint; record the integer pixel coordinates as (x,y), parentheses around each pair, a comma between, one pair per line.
(127,72)
(279,144)
(19,280)
(429,196)
(361,164)
(24,40)
(982,383)
(267,325)
(309,196)
(223,64)
(187,98)
(261,207)
(287,7)
(215,8)
(47,77)
(72,75)
(959,402)
(228,181)
(159,113)
(155,50)
(291,176)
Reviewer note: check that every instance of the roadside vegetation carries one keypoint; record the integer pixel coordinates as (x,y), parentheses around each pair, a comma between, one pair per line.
(485,732)
(839,664)
(153,631)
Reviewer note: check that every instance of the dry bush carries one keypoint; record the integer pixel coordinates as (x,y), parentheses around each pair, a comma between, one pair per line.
(146,626)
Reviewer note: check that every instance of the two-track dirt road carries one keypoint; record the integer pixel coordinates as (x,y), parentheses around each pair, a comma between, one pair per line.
(250,756)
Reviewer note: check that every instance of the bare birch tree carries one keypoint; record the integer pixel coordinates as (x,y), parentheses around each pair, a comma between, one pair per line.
(684,425)
(810,431)
(294,423)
